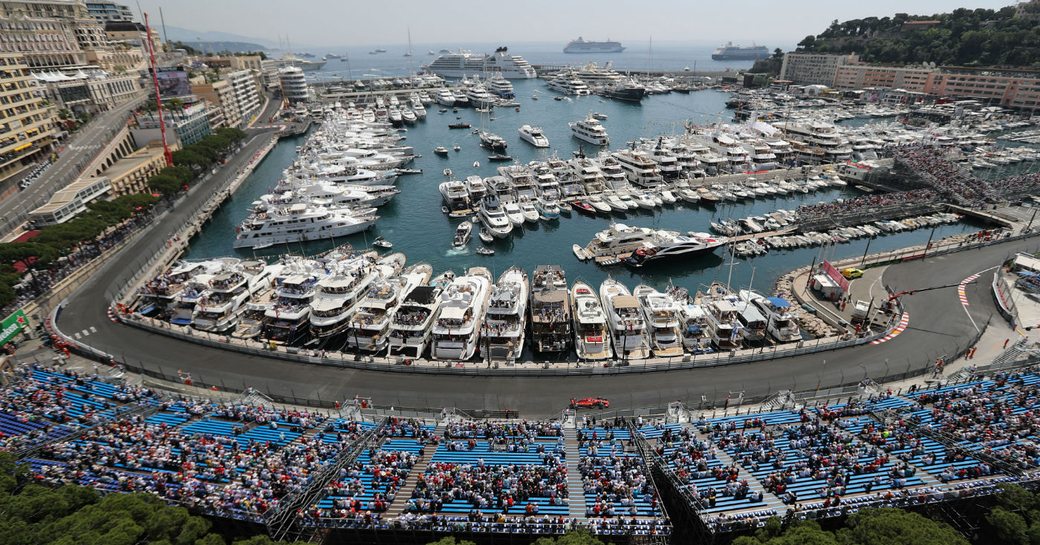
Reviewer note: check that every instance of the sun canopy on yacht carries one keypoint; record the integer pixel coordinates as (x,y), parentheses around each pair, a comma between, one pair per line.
(778,302)
(625,301)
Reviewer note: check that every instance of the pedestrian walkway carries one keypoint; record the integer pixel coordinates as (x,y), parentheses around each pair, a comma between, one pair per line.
(575,486)
(404,493)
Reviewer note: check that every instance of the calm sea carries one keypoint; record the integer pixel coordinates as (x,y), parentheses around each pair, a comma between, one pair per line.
(359,62)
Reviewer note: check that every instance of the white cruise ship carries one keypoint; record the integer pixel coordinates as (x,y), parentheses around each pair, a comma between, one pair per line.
(590,130)
(591,337)
(456,331)
(625,320)
(507,316)
(461,63)
(300,223)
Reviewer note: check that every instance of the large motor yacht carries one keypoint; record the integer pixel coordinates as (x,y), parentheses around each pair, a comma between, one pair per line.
(494,218)
(625,321)
(301,223)
(411,323)
(590,130)
(220,306)
(533,136)
(569,85)
(782,325)
(662,315)
(506,317)
(369,326)
(550,310)
(591,337)
(456,331)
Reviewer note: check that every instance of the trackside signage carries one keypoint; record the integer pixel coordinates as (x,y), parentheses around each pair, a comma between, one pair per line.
(12,325)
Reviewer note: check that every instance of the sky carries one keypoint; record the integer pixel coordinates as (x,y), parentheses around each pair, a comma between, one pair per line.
(327,23)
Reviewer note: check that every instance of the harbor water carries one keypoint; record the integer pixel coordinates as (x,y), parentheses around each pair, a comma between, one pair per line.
(414,223)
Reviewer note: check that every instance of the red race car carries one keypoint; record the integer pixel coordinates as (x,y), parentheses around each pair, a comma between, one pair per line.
(590,403)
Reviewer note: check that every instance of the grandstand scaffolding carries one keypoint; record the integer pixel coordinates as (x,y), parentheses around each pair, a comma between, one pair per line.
(284,522)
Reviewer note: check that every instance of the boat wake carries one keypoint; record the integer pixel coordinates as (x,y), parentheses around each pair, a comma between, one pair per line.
(454,252)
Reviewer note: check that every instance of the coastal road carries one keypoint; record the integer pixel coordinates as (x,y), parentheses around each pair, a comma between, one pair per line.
(76,152)
(939,326)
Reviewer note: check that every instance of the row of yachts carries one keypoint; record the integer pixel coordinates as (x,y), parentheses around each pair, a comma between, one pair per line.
(838,235)
(373,304)
(342,174)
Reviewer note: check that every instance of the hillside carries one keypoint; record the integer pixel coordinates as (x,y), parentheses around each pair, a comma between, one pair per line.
(966,37)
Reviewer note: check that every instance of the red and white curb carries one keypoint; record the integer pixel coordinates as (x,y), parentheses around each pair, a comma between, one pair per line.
(962,288)
(904,321)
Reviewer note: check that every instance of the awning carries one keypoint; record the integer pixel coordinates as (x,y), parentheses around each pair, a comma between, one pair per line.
(778,302)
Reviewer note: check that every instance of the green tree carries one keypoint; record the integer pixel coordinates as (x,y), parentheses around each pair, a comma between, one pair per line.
(1010,528)
(896,527)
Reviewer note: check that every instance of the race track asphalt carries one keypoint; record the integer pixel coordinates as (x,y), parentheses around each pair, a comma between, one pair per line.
(939,325)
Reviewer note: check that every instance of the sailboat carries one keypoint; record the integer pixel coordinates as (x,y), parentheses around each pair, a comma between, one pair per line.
(409,52)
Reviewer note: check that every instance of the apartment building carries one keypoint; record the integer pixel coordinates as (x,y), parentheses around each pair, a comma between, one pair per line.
(27,125)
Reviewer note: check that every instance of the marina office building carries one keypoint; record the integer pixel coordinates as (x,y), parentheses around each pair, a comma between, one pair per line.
(1011,88)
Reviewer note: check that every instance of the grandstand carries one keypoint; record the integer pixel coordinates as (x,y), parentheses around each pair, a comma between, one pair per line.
(299,471)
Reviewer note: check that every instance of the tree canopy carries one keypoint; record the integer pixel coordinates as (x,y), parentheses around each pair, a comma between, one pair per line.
(963,37)
(867,527)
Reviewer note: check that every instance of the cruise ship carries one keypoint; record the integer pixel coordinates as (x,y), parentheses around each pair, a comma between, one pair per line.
(730,52)
(582,46)
(501,63)
(301,223)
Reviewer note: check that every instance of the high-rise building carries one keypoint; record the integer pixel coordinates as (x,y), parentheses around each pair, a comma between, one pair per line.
(222,97)
(27,125)
(247,92)
(294,84)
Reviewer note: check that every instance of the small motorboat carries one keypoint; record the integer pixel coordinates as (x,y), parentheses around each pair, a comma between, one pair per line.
(485,236)
(461,125)
(476,164)
(381,242)
(565,208)
(442,110)
(599,116)
(584,208)
(580,252)
(499,157)
(441,150)
(447,172)
(484,250)
(456,147)
(462,235)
